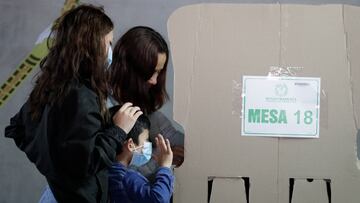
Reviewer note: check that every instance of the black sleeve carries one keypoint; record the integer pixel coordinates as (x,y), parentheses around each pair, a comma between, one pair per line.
(83,145)
(161,124)
(16,129)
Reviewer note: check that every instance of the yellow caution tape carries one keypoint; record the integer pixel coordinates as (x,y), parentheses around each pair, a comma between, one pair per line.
(29,63)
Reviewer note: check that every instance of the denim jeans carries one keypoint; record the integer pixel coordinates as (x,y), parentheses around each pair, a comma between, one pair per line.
(47,196)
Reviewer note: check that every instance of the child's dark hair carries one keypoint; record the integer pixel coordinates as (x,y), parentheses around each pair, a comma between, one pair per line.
(142,123)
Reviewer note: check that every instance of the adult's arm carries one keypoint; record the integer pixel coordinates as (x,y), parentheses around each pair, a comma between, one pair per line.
(84,144)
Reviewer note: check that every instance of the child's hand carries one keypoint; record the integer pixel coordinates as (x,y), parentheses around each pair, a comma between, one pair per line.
(165,155)
(126,116)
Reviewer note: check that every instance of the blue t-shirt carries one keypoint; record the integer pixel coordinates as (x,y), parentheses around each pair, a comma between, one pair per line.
(129,186)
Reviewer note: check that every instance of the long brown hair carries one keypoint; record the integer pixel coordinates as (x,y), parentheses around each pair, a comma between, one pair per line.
(135,58)
(76,53)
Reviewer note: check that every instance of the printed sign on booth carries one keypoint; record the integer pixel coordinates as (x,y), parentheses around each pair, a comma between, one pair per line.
(281,106)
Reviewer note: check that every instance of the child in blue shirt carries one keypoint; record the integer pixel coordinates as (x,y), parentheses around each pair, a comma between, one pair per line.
(127,185)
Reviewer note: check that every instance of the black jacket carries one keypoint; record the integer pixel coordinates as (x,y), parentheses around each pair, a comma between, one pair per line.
(70,145)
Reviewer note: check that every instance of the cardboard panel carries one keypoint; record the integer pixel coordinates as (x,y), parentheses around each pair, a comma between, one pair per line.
(211,46)
(228,190)
(313,37)
(352,31)
(305,192)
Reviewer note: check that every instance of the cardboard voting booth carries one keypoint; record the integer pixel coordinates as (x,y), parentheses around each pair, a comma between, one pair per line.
(249,152)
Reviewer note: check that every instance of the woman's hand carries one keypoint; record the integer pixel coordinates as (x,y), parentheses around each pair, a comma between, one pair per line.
(165,155)
(126,116)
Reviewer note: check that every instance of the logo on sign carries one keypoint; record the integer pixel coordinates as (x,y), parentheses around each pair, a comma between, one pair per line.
(281,90)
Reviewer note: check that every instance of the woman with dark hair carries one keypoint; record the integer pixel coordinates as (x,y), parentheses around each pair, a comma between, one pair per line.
(65,128)
(138,70)
(138,75)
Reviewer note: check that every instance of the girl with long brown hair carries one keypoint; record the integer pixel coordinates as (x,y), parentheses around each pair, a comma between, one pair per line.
(65,128)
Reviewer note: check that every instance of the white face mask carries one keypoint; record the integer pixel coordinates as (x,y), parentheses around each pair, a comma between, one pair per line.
(141,158)
(109,56)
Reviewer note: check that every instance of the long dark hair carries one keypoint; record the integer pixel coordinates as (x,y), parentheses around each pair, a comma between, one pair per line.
(76,53)
(135,58)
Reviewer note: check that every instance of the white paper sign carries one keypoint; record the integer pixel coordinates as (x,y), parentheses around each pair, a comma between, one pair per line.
(281,106)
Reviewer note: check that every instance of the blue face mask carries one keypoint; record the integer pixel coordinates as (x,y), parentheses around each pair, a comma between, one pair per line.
(141,158)
(109,56)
